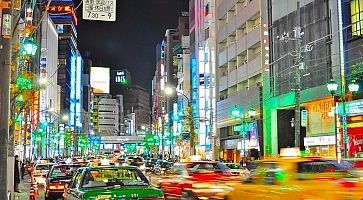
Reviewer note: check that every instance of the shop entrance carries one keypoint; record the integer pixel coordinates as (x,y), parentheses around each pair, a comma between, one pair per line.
(286,130)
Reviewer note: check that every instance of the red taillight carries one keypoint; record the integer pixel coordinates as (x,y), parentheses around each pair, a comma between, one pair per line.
(37,174)
(322,178)
(348,184)
(55,186)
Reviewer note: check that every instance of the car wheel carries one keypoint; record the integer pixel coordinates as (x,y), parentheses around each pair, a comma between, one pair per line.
(188,195)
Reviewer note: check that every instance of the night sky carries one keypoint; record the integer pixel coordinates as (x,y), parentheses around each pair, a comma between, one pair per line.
(130,42)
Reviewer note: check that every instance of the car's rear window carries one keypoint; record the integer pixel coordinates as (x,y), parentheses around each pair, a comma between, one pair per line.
(64,171)
(203,167)
(111,177)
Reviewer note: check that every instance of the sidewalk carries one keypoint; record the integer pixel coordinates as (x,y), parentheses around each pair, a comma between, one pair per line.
(24,188)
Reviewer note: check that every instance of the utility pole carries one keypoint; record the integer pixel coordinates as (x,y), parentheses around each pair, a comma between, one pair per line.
(298,76)
(5,65)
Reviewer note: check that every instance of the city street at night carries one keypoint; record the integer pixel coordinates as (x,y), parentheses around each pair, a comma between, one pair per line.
(181,99)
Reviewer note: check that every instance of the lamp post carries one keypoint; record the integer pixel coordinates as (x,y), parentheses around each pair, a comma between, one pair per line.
(332,87)
(237,113)
(190,118)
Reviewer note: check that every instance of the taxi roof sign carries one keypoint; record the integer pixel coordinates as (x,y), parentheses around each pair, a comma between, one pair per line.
(290,152)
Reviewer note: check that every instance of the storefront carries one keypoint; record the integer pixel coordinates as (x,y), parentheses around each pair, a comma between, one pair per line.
(354,110)
(323,146)
(319,122)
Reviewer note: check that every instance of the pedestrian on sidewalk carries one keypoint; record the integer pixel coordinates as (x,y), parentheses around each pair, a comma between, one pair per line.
(22,169)
(16,174)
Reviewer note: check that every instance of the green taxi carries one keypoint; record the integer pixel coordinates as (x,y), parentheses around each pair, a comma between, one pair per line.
(110,183)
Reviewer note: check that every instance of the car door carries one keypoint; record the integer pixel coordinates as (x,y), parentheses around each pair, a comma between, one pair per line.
(72,190)
(263,184)
(172,182)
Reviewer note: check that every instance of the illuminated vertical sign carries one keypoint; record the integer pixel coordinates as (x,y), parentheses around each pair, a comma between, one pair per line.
(73,90)
(266,47)
(35,109)
(43,91)
(78,99)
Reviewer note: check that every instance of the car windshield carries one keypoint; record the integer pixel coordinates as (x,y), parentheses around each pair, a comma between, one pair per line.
(207,167)
(42,167)
(136,160)
(112,177)
(63,171)
(234,166)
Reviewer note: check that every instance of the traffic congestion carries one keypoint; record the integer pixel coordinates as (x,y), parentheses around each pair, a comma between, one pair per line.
(112,176)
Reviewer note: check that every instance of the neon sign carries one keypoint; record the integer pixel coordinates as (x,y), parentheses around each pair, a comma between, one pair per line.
(63,10)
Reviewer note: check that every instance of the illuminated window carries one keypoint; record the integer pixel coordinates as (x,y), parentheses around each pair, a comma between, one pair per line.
(356,7)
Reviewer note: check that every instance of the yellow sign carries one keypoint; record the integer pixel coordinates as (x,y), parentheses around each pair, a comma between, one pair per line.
(104,175)
(320,121)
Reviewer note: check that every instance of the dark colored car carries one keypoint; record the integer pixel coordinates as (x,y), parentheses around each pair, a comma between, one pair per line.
(57,179)
(162,167)
(111,183)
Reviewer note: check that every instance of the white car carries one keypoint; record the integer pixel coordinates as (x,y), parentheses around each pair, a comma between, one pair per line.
(40,172)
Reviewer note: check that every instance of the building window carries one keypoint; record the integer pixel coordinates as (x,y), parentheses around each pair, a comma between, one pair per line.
(356,11)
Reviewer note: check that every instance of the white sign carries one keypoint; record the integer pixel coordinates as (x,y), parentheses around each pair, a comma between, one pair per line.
(6,25)
(317,141)
(354,108)
(102,10)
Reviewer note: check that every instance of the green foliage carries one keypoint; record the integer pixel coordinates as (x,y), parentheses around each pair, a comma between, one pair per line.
(29,47)
(357,71)
(23,83)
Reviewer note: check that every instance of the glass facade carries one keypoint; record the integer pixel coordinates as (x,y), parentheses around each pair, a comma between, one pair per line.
(317,63)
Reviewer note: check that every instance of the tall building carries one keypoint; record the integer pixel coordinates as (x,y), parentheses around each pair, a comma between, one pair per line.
(106,115)
(203,73)
(137,100)
(240,51)
(351,61)
(70,62)
(320,62)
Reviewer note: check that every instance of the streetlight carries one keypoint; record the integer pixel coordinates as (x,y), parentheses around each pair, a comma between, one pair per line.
(353,87)
(29,47)
(65,118)
(252,113)
(332,88)
(43,81)
(237,113)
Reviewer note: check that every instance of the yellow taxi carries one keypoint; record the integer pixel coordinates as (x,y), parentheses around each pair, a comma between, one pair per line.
(293,177)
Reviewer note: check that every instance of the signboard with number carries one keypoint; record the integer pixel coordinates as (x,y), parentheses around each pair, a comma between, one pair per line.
(6,26)
(102,10)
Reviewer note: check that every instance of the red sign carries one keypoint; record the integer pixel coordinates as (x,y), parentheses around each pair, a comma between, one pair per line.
(63,10)
(35,109)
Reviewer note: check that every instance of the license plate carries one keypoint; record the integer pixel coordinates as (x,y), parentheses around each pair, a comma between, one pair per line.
(104,196)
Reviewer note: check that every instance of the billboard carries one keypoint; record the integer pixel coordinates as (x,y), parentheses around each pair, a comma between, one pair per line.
(120,77)
(100,80)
